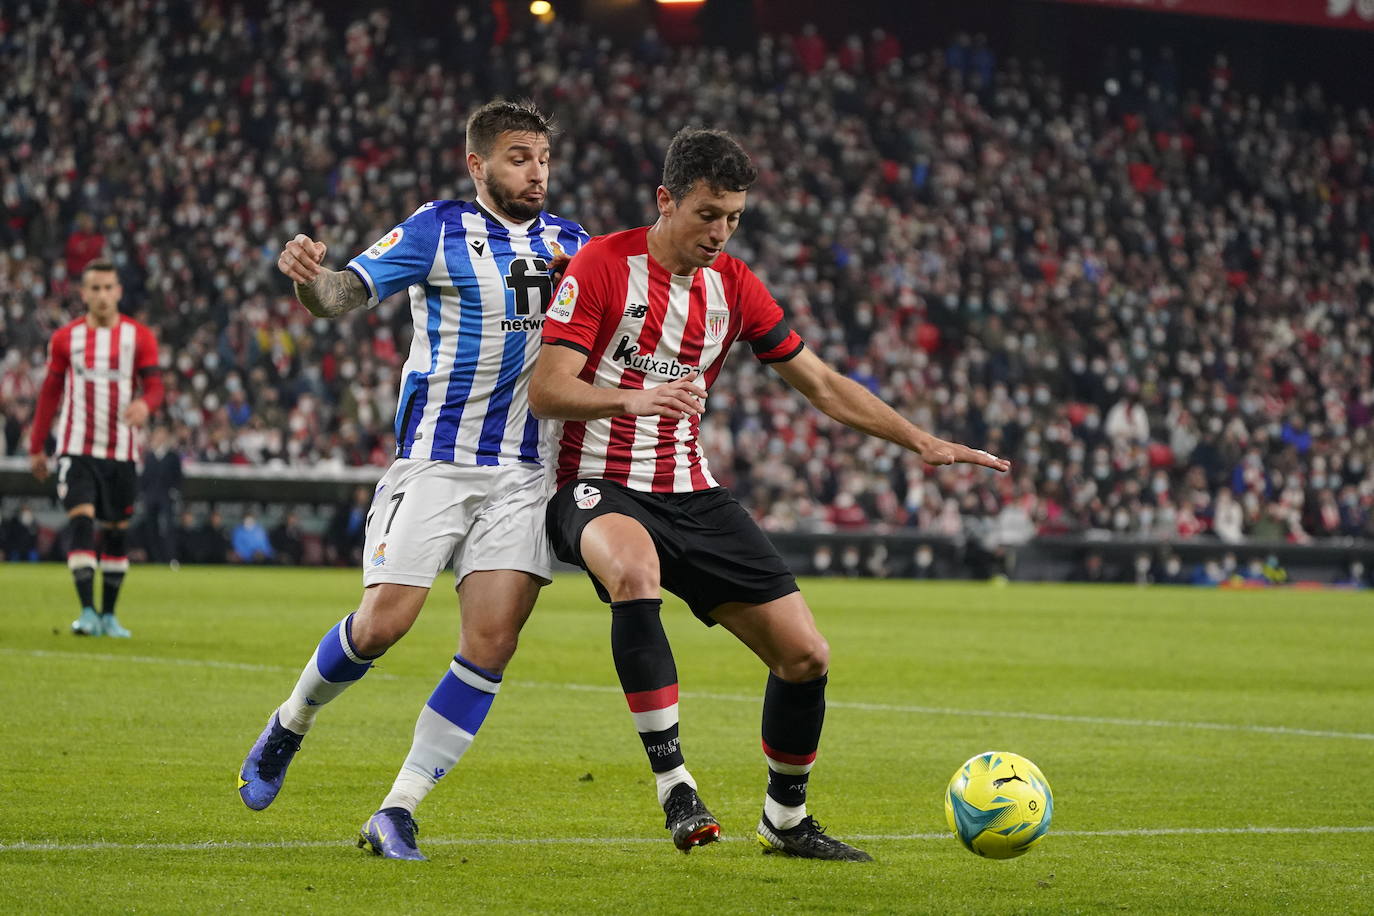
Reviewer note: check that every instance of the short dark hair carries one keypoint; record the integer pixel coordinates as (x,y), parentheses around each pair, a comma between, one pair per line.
(712,156)
(100,264)
(498,116)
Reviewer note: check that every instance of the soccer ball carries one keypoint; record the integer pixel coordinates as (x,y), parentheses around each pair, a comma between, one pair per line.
(999,805)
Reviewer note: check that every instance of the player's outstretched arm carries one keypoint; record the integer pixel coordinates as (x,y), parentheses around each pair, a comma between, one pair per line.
(852,404)
(324,293)
(556,392)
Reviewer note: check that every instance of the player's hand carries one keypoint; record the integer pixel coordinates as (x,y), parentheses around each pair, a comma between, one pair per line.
(136,414)
(302,259)
(938,451)
(560,262)
(38,464)
(558,265)
(675,400)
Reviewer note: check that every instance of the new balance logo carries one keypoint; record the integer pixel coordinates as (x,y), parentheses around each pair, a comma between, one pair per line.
(478,246)
(636,310)
(439,773)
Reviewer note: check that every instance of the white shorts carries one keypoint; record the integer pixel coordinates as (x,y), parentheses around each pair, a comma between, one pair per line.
(428,514)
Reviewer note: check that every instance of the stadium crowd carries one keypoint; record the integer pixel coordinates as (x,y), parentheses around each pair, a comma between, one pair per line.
(1157,299)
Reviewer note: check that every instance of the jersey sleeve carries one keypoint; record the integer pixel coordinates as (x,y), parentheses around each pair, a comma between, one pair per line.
(146,369)
(764,325)
(50,395)
(574,318)
(400,258)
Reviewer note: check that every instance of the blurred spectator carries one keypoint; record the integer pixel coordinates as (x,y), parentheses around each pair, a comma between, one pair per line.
(877,565)
(205,542)
(1355,576)
(1127,422)
(1143,569)
(183,539)
(344,540)
(288,540)
(822,561)
(1171,571)
(250,542)
(84,245)
(1091,569)
(1208,573)
(923,563)
(19,537)
(1228,518)
(851,561)
(160,497)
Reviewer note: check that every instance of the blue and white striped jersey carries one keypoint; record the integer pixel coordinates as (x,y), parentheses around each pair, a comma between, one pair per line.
(479,287)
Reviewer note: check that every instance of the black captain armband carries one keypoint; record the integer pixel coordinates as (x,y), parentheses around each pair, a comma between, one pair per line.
(778,345)
(569,344)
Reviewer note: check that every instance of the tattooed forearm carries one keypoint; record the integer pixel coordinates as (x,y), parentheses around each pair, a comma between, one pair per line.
(332,293)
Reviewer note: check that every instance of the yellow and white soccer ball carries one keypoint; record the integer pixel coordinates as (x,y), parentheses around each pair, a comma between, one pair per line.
(999,805)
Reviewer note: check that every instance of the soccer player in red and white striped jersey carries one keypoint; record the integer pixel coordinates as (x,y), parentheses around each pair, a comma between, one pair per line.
(636,336)
(102,383)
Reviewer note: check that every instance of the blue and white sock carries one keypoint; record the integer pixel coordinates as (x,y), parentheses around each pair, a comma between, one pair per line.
(444,731)
(335,666)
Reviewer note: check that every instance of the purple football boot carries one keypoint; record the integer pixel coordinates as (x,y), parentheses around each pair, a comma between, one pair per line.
(265,767)
(391,834)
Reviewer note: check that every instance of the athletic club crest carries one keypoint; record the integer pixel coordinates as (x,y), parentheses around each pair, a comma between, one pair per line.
(717,322)
(586,496)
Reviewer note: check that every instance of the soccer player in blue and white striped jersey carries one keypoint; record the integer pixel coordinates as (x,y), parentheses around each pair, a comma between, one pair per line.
(468,486)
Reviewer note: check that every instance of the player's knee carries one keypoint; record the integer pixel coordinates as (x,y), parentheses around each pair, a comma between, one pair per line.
(491,649)
(806,662)
(374,630)
(628,578)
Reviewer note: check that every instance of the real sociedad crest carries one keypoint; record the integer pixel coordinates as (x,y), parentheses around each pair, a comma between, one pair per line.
(717,322)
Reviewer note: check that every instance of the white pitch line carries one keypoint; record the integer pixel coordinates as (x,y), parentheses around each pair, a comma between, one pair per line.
(238,845)
(168,660)
(997,713)
(742,698)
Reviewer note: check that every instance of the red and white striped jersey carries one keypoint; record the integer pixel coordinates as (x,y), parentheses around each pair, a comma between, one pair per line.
(99,368)
(641,326)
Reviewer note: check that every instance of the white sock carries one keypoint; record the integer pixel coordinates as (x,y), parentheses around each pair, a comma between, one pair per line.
(332,669)
(669,778)
(438,745)
(783,817)
(463,696)
(298,713)
(409,789)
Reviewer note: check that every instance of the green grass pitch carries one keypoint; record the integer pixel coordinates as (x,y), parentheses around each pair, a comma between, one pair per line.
(1209,752)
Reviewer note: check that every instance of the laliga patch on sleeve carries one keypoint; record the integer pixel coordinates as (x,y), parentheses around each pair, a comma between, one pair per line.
(563,303)
(386,243)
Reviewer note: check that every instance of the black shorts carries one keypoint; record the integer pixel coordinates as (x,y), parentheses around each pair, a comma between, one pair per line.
(710,551)
(111,485)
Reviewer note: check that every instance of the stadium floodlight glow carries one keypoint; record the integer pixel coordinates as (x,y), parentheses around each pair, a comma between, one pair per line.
(541,7)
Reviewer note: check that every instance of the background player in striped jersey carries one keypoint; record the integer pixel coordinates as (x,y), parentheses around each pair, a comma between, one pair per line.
(468,487)
(638,331)
(103,372)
